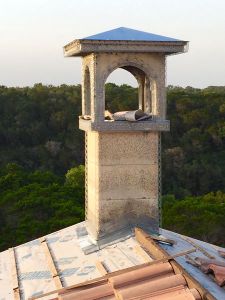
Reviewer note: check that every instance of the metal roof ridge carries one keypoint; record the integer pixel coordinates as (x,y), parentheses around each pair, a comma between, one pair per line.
(129,34)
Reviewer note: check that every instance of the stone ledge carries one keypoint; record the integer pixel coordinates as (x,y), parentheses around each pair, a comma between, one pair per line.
(124,126)
(84,47)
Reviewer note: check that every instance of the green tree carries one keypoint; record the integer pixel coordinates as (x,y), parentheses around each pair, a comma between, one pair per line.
(33,204)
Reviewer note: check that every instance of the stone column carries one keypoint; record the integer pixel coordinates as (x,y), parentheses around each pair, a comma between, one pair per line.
(123,182)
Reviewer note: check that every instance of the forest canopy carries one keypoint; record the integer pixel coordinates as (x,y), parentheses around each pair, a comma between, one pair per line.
(41,150)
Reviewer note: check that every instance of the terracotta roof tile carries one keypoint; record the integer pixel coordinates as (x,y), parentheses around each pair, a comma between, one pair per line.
(211,266)
(219,273)
(150,286)
(155,282)
(99,291)
(154,271)
(174,294)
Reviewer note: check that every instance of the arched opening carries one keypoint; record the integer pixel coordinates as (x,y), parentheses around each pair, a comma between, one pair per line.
(121,91)
(87,92)
(133,94)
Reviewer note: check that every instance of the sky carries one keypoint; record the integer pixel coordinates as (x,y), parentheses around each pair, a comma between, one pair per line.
(33,33)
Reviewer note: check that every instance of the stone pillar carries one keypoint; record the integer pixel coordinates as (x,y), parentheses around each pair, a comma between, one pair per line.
(123,157)
(123,181)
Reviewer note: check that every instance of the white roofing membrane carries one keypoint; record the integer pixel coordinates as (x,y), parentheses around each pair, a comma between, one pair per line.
(72,264)
(68,247)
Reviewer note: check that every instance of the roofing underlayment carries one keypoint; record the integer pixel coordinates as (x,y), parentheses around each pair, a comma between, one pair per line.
(68,257)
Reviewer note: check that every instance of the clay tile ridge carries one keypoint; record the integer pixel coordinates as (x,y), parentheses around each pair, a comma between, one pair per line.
(150,286)
(149,272)
(91,293)
(177,293)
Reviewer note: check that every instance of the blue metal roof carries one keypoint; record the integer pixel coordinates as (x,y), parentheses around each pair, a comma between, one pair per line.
(127,34)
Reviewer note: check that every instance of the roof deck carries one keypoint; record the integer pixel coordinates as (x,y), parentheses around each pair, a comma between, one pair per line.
(70,258)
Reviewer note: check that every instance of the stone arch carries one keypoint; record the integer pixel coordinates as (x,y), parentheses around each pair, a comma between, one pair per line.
(130,103)
(144,80)
(125,64)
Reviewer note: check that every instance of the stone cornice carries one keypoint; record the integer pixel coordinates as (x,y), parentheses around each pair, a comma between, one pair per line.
(83,47)
(124,126)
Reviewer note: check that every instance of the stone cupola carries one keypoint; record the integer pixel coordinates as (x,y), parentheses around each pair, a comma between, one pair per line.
(123,182)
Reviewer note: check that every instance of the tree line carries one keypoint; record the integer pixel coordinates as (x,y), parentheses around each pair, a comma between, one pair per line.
(41,148)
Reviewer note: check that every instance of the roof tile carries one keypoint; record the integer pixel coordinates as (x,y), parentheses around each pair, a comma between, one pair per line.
(98,291)
(149,272)
(219,273)
(150,286)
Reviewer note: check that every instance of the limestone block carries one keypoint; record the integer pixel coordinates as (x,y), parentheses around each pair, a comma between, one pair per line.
(131,207)
(93,175)
(118,214)
(125,126)
(122,181)
(121,148)
(128,181)
(92,147)
(152,64)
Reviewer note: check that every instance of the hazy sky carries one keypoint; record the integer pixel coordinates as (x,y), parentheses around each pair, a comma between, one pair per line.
(33,32)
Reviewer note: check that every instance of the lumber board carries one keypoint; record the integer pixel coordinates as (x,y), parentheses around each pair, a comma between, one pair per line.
(51,264)
(140,251)
(203,251)
(154,249)
(101,267)
(14,272)
(17,294)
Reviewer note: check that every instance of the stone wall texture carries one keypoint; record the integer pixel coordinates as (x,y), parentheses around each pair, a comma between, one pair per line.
(122,181)
(148,68)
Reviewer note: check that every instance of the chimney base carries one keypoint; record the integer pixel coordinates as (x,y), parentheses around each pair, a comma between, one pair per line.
(122,184)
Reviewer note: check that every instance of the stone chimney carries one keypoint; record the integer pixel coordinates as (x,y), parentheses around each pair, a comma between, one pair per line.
(123,180)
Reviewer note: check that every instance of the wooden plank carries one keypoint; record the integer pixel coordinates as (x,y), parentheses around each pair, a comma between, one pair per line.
(17,294)
(147,243)
(12,258)
(101,267)
(203,251)
(154,249)
(42,239)
(14,272)
(51,264)
(140,251)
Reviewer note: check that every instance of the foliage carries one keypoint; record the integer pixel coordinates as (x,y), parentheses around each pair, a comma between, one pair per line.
(75,177)
(193,157)
(33,204)
(39,131)
(201,217)
(118,98)
(41,148)
(39,127)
